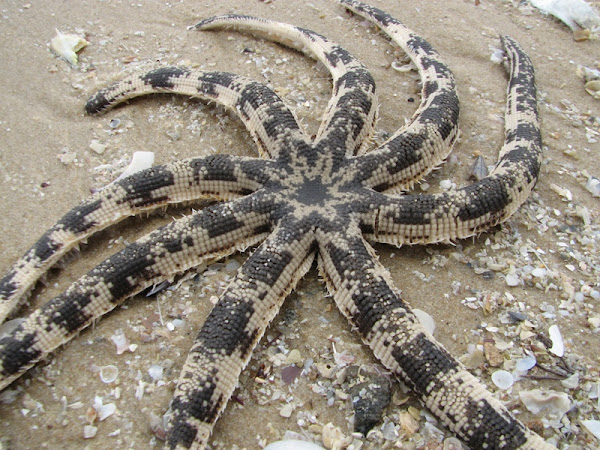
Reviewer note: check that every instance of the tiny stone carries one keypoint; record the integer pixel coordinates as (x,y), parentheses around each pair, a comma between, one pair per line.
(369,399)
(516,316)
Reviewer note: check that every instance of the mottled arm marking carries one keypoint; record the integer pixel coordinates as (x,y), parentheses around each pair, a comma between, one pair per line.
(214,232)
(467,211)
(270,122)
(220,177)
(315,196)
(415,149)
(364,293)
(352,109)
(231,331)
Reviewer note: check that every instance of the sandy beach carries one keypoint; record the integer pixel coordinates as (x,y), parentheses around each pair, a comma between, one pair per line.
(47,166)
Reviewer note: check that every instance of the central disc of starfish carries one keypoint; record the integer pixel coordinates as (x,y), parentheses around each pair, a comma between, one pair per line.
(314,192)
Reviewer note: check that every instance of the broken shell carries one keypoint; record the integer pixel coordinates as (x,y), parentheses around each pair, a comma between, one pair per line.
(333,438)
(536,401)
(103,411)
(67,46)
(572,382)
(512,280)
(574,13)
(97,146)
(558,347)
(479,169)
(593,88)
(287,410)
(121,341)
(139,161)
(426,320)
(89,431)
(408,423)
(109,373)
(293,444)
(524,364)
(593,186)
(593,426)
(156,372)
(294,357)
(503,379)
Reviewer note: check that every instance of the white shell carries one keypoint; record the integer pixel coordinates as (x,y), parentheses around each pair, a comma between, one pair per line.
(293,444)
(503,379)
(121,341)
(553,402)
(103,411)
(574,13)
(109,373)
(425,319)
(67,46)
(524,364)
(156,372)
(558,348)
(139,161)
(89,431)
(593,426)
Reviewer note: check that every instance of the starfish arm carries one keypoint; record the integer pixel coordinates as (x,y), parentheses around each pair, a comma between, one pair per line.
(363,291)
(221,177)
(479,206)
(352,110)
(214,232)
(269,121)
(231,331)
(420,146)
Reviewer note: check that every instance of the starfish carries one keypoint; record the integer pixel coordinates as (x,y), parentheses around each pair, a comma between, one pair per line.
(323,198)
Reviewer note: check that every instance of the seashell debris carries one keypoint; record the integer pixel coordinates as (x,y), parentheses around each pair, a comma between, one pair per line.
(593,426)
(503,379)
(426,320)
(524,364)
(109,373)
(67,46)
(103,410)
(555,403)
(576,14)
(293,444)
(558,347)
(139,161)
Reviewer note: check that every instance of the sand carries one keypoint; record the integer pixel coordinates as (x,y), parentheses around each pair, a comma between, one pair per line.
(47,167)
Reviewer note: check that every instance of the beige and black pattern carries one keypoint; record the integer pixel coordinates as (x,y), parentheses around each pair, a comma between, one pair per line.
(323,197)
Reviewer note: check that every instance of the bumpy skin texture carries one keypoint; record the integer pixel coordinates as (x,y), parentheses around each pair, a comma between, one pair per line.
(324,197)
